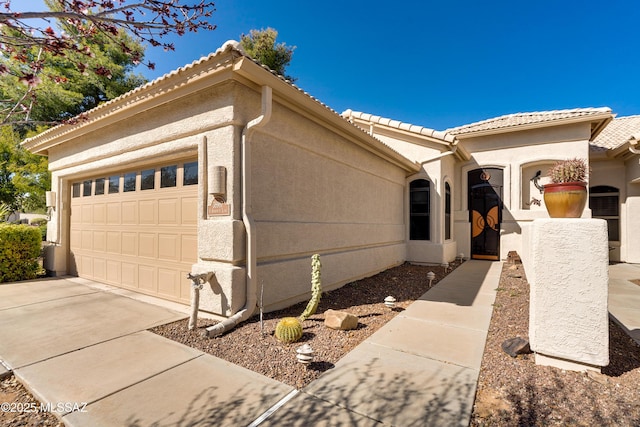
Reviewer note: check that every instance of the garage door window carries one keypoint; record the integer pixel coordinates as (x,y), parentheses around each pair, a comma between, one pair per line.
(148,179)
(190,176)
(75,189)
(99,186)
(114,184)
(168,176)
(86,190)
(129,182)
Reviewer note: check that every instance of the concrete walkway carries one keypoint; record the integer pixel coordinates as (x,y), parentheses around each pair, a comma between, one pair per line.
(73,344)
(624,297)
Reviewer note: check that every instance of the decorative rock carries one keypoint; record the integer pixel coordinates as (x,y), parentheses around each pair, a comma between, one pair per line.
(340,320)
(516,346)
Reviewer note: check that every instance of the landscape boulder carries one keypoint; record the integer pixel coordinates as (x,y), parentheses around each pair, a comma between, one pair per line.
(340,320)
(516,346)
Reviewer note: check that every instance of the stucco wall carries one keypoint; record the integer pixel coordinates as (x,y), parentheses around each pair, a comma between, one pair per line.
(314,191)
(568,316)
(438,167)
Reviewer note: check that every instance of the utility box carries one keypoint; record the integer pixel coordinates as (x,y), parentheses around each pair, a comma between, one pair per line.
(568,316)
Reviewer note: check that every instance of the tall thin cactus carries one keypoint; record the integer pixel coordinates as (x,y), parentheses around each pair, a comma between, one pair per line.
(316,288)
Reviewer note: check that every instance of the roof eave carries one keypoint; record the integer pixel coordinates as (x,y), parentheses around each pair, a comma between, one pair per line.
(601,120)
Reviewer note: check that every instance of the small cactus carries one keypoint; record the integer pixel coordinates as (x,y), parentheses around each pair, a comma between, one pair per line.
(288,330)
(316,289)
(574,170)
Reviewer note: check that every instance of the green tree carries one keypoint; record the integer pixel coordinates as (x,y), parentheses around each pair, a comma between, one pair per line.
(261,46)
(71,84)
(29,43)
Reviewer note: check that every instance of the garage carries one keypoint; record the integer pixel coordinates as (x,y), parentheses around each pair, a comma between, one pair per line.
(137,229)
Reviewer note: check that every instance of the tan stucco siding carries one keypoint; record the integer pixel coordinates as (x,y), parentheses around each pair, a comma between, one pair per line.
(163,125)
(316,192)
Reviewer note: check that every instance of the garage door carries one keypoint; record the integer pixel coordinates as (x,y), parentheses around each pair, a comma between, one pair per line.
(137,229)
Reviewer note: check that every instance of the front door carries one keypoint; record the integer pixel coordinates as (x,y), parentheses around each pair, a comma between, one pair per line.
(485,212)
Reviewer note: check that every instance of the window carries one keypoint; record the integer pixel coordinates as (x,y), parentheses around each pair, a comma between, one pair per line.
(129,182)
(114,184)
(75,189)
(604,202)
(419,223)
(86,188)
(190,173)
(447,211)
(168,176)
(99,186)
(147,179)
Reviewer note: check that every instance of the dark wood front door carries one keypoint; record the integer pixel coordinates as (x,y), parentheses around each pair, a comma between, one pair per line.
(485,212)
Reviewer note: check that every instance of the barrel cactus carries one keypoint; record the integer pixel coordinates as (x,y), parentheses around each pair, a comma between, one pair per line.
(316,289)
(289,329)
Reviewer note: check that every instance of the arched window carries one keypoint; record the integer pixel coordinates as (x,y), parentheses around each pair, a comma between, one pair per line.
(419,210)
(604,202)
(447,211)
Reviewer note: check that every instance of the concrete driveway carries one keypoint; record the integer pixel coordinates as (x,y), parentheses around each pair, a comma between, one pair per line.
(78,347)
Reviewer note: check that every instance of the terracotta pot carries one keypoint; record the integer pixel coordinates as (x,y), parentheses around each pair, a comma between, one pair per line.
(566,199)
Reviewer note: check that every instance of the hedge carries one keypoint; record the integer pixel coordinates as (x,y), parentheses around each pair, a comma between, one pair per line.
(19,252)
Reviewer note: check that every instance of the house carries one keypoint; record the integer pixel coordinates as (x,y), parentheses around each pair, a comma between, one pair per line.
(223,167)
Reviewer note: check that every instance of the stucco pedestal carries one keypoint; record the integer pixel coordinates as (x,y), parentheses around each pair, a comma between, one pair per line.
(568,274)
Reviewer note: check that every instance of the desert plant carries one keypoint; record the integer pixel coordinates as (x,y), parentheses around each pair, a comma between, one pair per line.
(289,329)
(572,170)
(316,289)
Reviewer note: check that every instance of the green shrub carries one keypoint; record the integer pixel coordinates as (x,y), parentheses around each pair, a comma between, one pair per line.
(38,221)
(19,252)
(43,231)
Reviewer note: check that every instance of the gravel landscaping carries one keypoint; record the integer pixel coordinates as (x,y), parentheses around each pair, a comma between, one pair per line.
(511,391)
(256,348)
(517,392)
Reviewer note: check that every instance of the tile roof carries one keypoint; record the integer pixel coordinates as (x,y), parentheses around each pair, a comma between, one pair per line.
(139,92)
(524,119)
(618,132)
(421,130)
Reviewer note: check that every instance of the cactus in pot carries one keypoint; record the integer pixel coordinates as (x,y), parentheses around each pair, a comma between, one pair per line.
(566,196)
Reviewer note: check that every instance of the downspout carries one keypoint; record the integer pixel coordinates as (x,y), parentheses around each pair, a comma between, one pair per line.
(251,257)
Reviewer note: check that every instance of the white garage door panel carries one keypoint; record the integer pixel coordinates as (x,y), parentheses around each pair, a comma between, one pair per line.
(144,240)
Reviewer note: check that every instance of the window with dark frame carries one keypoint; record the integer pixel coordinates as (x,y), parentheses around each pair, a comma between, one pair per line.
(604,202)
(419,210)
(447,211)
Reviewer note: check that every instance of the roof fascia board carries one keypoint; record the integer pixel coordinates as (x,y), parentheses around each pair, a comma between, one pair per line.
(295,99)
(602,118)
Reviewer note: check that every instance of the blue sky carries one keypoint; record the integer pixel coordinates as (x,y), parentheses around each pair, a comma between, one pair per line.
(441,64)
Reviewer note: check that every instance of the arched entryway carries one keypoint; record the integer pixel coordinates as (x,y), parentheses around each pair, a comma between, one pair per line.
(485,212)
